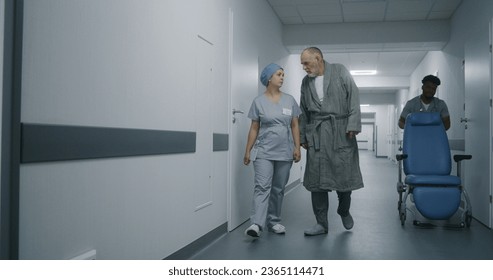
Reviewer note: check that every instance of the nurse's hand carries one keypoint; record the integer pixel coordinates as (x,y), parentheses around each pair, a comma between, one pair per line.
(297,155)
(246,159)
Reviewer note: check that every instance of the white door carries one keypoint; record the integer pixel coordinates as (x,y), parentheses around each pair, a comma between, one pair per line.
(477,124)
(365,137)
(203,113)
(243,89)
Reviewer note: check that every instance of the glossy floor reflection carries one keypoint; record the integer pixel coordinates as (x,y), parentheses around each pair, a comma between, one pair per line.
(377,233)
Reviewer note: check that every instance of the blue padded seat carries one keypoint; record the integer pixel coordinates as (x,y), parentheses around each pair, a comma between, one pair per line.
(437,203)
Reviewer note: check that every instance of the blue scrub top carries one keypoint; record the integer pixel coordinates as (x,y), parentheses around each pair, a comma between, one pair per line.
(275,139)
(415,105)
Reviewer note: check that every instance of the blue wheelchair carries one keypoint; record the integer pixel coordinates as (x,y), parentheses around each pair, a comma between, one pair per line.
(435,197)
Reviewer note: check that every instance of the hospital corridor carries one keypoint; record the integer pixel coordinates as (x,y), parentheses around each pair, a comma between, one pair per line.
(125,125)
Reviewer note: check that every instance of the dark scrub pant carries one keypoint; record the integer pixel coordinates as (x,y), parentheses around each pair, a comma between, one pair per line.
(320,205)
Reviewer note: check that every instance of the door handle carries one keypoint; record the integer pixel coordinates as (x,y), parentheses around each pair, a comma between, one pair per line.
(236,112)
(464,120)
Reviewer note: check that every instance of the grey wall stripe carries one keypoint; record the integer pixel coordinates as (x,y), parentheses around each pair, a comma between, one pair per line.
(191,249)
(41,143)
(220,142)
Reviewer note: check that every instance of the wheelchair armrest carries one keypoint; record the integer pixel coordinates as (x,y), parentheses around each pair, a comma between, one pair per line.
(400,157)
(458,158)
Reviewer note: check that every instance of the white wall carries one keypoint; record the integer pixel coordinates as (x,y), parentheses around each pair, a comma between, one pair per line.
(128,64)
(377,98)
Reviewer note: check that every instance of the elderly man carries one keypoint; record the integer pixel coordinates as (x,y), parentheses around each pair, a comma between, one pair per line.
(329,123)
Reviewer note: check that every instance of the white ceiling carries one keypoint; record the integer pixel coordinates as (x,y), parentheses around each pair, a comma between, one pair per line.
(388,59)
(343,11)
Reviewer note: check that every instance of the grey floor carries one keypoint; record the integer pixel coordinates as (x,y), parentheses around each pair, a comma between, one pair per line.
(377,234)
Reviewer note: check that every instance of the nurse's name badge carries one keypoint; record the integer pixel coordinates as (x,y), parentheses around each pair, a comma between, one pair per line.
(286,111)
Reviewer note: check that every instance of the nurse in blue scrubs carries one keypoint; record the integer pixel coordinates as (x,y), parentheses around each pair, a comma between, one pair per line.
(273,144)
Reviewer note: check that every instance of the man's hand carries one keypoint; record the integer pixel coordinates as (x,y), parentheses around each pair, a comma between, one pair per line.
(352,134)
(297,155)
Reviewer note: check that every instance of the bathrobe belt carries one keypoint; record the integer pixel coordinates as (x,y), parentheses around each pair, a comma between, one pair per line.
(317,120)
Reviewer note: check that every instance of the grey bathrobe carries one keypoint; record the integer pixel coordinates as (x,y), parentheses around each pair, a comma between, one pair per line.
(332,158)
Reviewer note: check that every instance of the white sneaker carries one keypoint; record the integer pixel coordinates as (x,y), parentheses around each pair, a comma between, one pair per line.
(278,228)
(253,231)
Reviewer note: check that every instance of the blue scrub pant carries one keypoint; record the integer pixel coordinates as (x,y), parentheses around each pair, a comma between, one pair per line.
(271,178)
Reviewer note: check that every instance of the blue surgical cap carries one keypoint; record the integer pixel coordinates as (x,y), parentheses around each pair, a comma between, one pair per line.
(267,73)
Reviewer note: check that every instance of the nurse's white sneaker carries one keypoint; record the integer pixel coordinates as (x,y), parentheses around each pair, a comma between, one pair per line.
(278,228)
(253,231)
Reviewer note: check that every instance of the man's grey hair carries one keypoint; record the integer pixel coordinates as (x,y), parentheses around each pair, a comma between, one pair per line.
(314,51)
